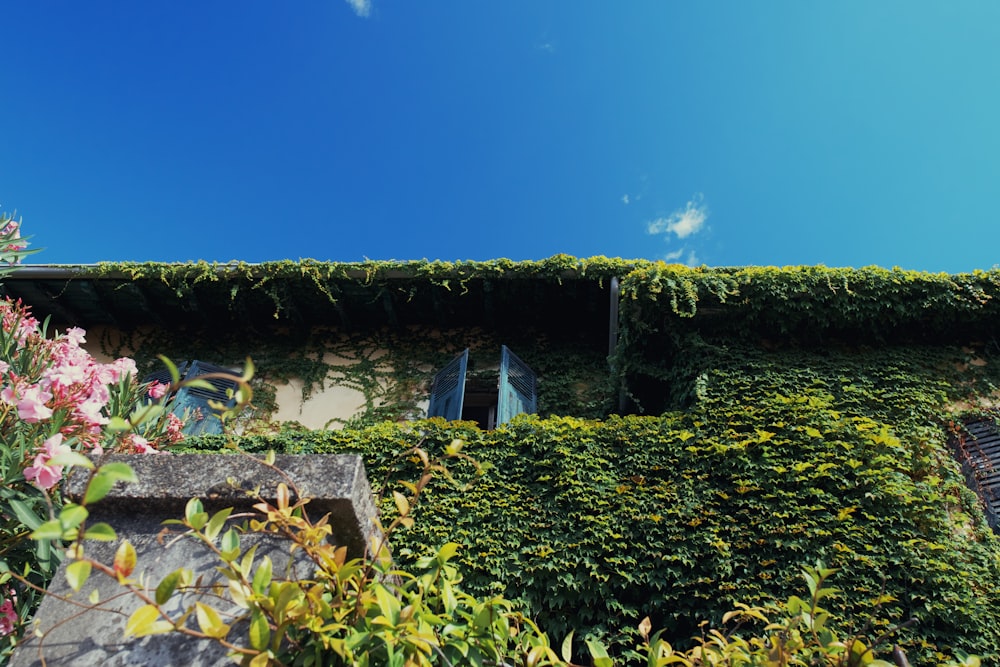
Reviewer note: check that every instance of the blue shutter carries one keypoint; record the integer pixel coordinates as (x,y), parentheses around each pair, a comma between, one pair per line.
(981,465)
(448,390)
(192,402)
(518,387)
(163,375)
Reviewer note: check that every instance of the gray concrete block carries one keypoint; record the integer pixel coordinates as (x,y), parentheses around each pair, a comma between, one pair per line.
(72,634)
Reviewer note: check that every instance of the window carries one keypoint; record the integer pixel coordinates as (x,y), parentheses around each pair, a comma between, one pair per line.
(978,449)
(491,404)
(194,401)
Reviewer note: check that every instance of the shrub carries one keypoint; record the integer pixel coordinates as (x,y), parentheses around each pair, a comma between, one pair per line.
(56,401)
(366,612)
(594,525)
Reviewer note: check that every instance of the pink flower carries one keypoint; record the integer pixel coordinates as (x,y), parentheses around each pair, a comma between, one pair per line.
(26,327)
(90,412)
(77,335)
(66,375)
(31,407)
(4,367)
(119,368)
(141,445)
(99,393)
(8,617)
(175,428)
(41,473)
(157,390)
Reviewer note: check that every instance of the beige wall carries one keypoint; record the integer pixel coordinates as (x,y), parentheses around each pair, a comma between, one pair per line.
(322,409)
(327,407)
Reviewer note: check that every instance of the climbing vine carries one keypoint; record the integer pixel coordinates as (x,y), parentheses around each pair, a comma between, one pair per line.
(794,413)
(389,369)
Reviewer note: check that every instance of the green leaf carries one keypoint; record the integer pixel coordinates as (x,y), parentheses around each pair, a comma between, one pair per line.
(144,621)
(195,514)
(246,563)
(388,603)
(77,573)
(216,523)
(118,471)
(447,552)
(118,425)
(262,576)
(167,586)
(599,654)
(72,515)
(248,370)
(260,631)
(175,375)
(97,488)
(210,622)
(71,459)
(231,541)
(199,384)
(144,414)
(567,647)
(101,532)
(24,513)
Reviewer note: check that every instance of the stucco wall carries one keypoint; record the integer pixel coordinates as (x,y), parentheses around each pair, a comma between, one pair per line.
(326,407)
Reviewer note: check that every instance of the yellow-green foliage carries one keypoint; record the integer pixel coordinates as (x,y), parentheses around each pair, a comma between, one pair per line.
(803,417)
(813,299)
(595,525)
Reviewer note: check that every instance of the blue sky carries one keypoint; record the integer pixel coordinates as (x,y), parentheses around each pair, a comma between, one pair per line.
(720,133)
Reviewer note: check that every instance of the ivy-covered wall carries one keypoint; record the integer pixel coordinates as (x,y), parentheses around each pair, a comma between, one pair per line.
(782,456)
(275,310)
(788,415)
(387,372)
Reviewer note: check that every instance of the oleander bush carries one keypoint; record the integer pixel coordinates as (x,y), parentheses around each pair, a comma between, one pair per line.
(56,401)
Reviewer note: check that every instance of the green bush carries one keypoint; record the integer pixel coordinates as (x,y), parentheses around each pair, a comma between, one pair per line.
(367,612)
(593,526)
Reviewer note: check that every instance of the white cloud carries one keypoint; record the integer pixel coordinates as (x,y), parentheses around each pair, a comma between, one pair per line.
(682,222)
(362,8)
(675,257)
(625,199)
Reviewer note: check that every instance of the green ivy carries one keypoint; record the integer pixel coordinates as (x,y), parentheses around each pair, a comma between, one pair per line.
(802,414)
(594,525)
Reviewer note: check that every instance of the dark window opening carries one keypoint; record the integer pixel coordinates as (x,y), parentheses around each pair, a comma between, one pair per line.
(490,403)
(480,403)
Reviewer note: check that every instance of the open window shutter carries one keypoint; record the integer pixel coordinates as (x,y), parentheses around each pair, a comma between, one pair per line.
(448,390)
(201,418)
(163,375)
(982,467)
(518,387)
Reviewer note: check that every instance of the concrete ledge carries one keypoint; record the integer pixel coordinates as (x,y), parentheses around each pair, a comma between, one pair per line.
(73,635)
